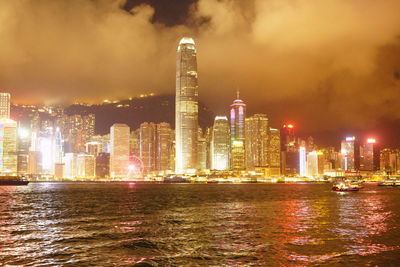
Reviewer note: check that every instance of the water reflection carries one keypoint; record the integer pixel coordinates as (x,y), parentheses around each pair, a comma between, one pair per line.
(124,224)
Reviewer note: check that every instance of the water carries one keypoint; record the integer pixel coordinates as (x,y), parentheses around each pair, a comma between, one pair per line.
(197,224)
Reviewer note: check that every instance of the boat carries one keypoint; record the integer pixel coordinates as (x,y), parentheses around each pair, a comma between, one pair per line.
(175,180)
(345,187)
(389,183)
(12,180)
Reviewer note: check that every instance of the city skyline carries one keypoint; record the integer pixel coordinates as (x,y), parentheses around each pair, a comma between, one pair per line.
(199,132)
(260,65)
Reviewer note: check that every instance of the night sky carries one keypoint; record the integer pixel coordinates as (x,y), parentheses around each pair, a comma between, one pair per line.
(332,67)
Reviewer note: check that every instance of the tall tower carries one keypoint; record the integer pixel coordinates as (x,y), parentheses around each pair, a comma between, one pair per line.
(220,144)
(147,146)
(8,147)
(186,107)
(5,105)
(164,146)
(238,115)
(350,150)
(119,156)
(369,155)
(256,132)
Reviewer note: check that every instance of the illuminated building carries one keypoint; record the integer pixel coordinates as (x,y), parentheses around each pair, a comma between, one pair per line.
(332,158)
(89,123)
(369,155)
(93,148)
(237,155)
(8,147)
(315,163)
(390,160)
(274,149)
(46,145)
(103,165)
(350,150)
(23,144)
(310,144)
(186,110)
(290,160)
(237,124)
(155,146)
(147,145)
(119,146)
(134,148)
(34,163)
(98,144)
(5,105)
(220,144)
(70,165)
(302,161)
(202,151)
(58,146)
(164,149)
(35,122)
(256,141)
(59,170)
(86,166)
(78,130)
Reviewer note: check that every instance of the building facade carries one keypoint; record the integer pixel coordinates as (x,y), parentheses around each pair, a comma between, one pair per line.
(186,109)
(237,125)
(8,147)
(5,99)
(256,141)
(220,144)
(119,146)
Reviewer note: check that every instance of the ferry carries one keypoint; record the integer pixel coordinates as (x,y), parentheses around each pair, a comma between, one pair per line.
(12,180)
(389,183)
(345,187)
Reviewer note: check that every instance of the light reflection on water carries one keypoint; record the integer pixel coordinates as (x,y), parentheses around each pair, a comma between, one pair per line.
(161,225)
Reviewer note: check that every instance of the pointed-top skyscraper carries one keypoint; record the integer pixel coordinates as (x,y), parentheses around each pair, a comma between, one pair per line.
(237,119)
(186,107)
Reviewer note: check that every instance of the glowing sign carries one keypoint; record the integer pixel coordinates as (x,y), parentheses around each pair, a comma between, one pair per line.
(371,140)
(350,138)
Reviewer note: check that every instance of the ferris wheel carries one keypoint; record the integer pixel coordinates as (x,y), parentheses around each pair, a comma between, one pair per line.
(135,168)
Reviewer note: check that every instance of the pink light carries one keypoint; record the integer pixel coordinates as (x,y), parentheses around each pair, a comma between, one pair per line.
(132,167)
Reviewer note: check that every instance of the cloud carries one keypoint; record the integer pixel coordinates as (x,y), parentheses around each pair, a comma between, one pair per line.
(82,49)
(325,63)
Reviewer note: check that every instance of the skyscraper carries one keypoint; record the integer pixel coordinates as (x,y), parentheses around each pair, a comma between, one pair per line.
(147,146)
(290,160)
(369,155)
(237,119)
(119,156)
(186,107)
(351,154)
(220,144)
(274,148)
(5,105)
(256,136)
(155,146)
(164,146)
(315,163)
(23,144)
(85,166)
(389,161)
(77,131)
(8,147)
